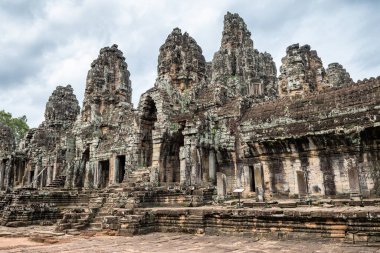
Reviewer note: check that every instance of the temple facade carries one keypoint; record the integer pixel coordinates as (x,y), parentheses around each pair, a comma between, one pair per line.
(230,123)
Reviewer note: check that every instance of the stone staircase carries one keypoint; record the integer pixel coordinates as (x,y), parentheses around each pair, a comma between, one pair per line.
(5,200)
(80,218)
(120,207)
(58,182)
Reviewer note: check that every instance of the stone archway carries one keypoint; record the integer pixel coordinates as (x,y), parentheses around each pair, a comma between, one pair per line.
(170,157)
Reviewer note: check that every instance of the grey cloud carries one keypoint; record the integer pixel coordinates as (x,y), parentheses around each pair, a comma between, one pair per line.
(22,10)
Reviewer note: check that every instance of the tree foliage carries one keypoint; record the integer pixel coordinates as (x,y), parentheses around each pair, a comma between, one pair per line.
(18,125)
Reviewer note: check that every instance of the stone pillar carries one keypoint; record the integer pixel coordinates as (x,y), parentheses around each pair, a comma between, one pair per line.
(116,171)
(221,184)
(91,174)
(2,173)
(97,175)
(8,175)
(212,166)
(182,165)
(237,176)
(54,170)
(35,178)
(194,165)
(259,182)
(49,174)
(246,179)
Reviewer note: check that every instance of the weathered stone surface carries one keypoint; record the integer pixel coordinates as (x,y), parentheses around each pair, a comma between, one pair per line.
(338,76)
(47,151)
(204,128)
(301,72)
(106,132)
(107,84)
(62,106)
(7,147)
(7,140)
(181,64)
(239,67)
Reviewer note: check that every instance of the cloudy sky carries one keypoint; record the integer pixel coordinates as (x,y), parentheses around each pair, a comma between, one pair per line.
(48,43)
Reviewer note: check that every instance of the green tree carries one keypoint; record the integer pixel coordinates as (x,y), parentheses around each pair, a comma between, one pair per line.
(18,125)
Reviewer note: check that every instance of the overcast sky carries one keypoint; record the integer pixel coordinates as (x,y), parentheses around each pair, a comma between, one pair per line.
(48,43)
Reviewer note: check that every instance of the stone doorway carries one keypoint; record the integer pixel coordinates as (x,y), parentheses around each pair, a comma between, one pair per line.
(353,179)
(104,168)
(169,157)
(302,185)
(31,176)
(121,168)
(148,118)
(251,179)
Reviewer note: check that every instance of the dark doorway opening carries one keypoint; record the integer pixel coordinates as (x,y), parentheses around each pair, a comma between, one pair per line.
(252,185)
(104,173)
(121,169)
(31,176)
(169,156)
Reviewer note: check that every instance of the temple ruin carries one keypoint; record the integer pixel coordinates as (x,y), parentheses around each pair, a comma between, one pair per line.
(202,131)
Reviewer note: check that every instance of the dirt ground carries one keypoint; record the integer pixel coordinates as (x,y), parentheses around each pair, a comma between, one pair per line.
(48,241)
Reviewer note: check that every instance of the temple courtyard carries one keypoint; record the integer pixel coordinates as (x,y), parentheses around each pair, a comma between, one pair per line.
(44,239)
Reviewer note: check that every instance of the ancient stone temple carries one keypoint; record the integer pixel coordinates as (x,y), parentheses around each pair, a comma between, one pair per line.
(203,131)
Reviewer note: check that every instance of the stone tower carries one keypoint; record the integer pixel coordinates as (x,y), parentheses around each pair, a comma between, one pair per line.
(238,66)
(301,71)
(107,84)
(337,75)
(181,64)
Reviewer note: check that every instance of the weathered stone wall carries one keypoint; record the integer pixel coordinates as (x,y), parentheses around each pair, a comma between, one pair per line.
(321,140)
(7,146)
(274,223)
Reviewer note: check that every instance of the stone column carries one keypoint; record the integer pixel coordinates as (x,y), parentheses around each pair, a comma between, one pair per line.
(116,170)
(2,170)
(246,179)
(89,175)
(182,165)
(49,174)
(259,182)
(212,166)
(35,178)
(97,175)
(194,165)
(221,185)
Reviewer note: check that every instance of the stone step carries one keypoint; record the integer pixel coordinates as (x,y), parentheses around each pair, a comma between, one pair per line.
(95,226)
